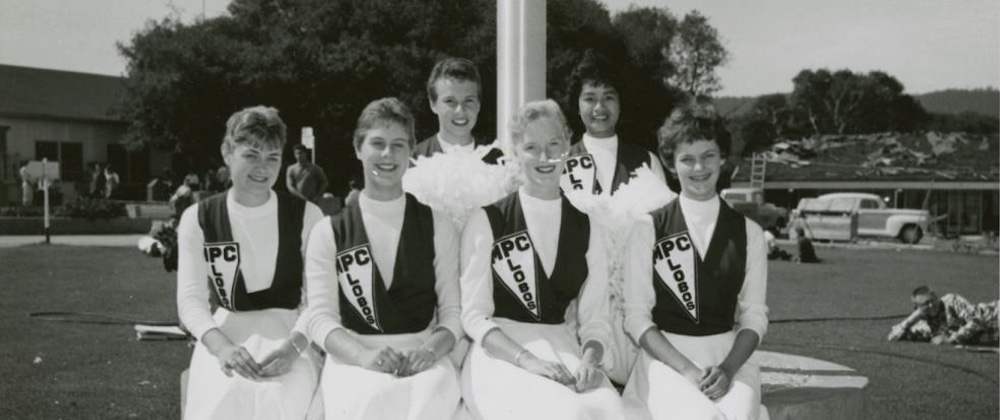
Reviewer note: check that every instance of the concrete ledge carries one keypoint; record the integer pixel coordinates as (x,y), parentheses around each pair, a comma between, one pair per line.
(798,387)
(66,226)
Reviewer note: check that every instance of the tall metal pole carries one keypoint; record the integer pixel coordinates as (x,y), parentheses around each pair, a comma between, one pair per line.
(521,26)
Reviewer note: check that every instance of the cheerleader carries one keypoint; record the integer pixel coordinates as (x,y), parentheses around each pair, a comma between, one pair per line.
(242,250)
(378,274)
(530,261)
(695,292)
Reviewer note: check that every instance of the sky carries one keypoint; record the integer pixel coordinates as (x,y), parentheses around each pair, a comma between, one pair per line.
(928,45)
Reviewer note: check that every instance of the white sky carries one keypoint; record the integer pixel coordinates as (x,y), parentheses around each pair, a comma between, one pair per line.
(926,44)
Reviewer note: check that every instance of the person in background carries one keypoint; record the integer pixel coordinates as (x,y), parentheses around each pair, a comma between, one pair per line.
(209,182)
(241,251)
(454,92)
(222,175)
(192,181)
(304,178)
(98,183)
(112,181)
(27,185)
(949,319)
(807,252)
(695,297)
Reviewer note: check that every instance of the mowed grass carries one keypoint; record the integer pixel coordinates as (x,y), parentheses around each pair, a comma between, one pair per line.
(907,380)
(86,371)
(102,372)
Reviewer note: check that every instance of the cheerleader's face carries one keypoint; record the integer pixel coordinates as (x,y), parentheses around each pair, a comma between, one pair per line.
(697,165)
(385,154)
(542,151)
(599,109)
(457,106)
(253,168)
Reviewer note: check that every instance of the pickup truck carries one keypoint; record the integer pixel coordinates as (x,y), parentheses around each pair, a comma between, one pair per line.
(750,202)
(874,219)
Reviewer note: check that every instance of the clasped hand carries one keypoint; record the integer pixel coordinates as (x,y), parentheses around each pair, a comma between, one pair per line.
(713,382)
(236,358)
(391,361)
(587,377)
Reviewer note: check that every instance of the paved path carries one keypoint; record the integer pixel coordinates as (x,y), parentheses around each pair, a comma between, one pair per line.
(78,240)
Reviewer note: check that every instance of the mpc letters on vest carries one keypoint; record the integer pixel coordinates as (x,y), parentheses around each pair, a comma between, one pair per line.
(223,260)
(674,261)
(580,174)
(513,260)
(354,272)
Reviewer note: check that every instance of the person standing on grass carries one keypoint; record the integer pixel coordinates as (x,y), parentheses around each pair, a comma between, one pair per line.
(27,185)
(532,260)
(241,251)
(112,181)
(949,319)
(383,287)
(695,295)
(454,92)
(304,178)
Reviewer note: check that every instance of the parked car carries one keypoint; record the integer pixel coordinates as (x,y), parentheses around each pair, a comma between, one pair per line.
(874,219)
(750,202)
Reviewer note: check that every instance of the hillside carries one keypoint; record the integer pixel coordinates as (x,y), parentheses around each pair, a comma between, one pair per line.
(949,101)
(956,101)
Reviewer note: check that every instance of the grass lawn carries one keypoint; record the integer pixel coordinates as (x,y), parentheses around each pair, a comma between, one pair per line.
(102,372)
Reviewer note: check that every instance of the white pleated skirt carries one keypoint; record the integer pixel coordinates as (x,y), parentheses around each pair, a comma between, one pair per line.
(354,393)
(666,394)
(495,389)
(213,395)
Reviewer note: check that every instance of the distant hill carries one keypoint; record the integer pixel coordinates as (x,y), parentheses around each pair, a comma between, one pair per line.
(956,101)
(949,101)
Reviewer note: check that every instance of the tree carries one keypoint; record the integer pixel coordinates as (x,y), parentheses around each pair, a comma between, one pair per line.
(696,51)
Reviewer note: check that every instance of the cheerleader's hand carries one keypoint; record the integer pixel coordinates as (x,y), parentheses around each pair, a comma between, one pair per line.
(716,383)
(588,377)
(418,360)
(234,358)
(552,370)
(279,361)
(385,360)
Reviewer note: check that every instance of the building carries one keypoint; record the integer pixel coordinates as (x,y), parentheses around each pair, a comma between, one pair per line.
(954,176)
(66,117)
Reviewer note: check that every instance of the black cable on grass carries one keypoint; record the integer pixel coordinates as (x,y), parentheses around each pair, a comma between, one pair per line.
(94,318)
(891,354)
(837,318)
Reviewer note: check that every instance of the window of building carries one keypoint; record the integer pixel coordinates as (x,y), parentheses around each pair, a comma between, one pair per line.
(68,154)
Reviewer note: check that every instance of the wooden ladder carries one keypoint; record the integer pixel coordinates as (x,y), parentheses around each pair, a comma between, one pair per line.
(758,169)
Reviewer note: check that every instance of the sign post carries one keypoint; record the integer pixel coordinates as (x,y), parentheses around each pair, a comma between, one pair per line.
(309,142)
(44,171)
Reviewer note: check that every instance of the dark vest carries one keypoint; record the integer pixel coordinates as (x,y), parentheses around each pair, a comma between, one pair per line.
(629,158)
(225,269)
(695,297)
(538,299)
(432,145)
(366,307)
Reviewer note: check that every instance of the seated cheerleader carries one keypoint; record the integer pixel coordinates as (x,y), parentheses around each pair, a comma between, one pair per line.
(378,273)
(242,250)
(527,258)
(696,286)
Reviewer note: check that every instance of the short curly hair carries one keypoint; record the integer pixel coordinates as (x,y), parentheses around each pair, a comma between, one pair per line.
(453,68)
(594,68)
(259,126)
(381,112)
(533,111)
(689,123)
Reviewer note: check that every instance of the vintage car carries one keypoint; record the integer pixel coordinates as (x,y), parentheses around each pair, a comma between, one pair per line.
(873,218)
(750,202)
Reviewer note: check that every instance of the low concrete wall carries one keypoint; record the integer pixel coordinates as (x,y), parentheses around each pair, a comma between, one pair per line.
(66,226)
(799,387)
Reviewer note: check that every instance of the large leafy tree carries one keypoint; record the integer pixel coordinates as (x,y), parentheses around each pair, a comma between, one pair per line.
(320,61)
(697,51)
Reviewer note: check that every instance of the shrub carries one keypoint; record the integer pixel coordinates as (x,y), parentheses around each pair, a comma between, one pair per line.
(92,208)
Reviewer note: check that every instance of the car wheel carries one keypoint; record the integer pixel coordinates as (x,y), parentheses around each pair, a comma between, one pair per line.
(911,234)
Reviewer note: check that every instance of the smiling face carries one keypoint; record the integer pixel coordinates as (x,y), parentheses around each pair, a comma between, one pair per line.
(927,303)
(599,109)
(697,166)
(457,107)
(253,168)
(541,152)
(384,153)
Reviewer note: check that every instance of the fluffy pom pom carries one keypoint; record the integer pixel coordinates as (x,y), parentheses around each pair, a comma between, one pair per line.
(458,183)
